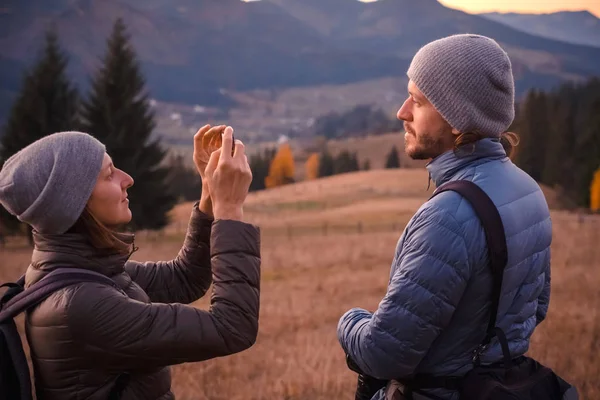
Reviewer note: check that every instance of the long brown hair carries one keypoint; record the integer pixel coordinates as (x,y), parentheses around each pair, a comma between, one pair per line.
(99,235)
(509,141)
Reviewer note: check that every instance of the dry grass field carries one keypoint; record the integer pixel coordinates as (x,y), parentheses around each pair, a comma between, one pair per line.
(309,280)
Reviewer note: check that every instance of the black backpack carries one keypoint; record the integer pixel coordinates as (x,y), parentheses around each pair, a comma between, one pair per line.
(522,378)
(15,383)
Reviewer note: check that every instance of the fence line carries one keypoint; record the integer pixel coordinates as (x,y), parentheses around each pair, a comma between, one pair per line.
(294,229)
(590,221)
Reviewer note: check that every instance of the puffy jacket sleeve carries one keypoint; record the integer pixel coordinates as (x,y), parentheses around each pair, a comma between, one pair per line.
(426,285)
(120,333)
(187,277)
(544,298)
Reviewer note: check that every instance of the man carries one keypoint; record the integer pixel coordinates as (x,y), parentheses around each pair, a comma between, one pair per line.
(436,309)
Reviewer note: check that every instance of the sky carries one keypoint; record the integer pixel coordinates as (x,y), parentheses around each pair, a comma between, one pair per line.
(523,6)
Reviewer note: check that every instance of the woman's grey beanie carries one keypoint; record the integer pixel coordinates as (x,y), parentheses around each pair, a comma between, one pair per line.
(468,79)
(48,183)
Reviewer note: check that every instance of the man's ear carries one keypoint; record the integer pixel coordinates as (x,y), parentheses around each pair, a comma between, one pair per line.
(455,132)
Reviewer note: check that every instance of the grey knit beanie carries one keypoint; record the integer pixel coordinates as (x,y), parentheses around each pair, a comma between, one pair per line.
(48,183)
(468,79)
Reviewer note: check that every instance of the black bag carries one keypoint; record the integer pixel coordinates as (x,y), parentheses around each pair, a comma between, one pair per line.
(522,378)
(366,386)
(15,383)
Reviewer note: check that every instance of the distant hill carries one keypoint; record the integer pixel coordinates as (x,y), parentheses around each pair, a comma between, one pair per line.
(578,27)
(196,51)
(401,27)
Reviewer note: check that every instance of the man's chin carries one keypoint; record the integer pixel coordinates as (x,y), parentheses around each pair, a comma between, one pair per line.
(415,154)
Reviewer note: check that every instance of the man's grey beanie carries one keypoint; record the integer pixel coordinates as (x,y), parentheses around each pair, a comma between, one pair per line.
(468,79)
(48,183)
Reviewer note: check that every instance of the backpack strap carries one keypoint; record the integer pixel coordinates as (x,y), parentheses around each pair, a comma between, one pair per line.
(17,300)
(55,280)
(498,253)
(495,238)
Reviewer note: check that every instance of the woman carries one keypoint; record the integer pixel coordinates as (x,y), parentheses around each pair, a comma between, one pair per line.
(94,341)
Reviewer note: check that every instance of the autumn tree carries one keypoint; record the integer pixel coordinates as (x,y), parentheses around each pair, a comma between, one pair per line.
(312,167)
(595,192)
(281,170)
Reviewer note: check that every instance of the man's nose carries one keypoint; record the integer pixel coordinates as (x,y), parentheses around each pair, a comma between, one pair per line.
(404,113)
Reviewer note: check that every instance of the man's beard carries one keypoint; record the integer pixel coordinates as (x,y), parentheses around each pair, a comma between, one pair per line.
(426,147)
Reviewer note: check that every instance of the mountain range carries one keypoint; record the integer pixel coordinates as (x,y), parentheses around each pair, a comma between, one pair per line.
(578,27)
(194,51)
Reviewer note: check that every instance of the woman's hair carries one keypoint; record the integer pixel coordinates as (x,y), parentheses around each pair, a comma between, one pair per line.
(99,235)
(509,141)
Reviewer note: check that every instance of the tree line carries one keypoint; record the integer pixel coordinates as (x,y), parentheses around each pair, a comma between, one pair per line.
(560,140)
(276,167)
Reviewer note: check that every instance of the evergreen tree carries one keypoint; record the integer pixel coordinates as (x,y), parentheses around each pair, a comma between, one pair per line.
(46,104)
(366,165)
(560,138)
(587,156)
(559,145)
(345,162)
(534,132)
(354,162)
(393,161)
(118,113)
(326,164)
(186,184)
(259,165)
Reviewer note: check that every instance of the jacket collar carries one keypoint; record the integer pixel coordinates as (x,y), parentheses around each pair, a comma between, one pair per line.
(446,165)
(73,250)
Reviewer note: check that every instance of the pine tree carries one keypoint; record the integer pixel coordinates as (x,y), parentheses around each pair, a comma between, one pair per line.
(393,161)
(587,153)
(345,162)
(559,144)
(46,104)
(354,162)
(366,165)
(534,130)
(118,113)
(185,181)
(259,164)
(326,164)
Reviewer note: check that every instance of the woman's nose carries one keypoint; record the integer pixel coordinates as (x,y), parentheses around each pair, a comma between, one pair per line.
(127,181)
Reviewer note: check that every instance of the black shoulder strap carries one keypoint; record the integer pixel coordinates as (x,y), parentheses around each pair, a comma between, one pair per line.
(495,237)
(57,279)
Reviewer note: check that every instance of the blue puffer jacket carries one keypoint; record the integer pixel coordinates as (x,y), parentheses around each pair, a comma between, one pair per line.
(436,308)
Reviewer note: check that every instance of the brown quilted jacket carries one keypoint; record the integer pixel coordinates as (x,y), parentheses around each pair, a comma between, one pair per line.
(83,337)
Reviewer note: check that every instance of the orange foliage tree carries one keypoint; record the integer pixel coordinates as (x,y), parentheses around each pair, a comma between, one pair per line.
(281,170)
(595,192)
(312,167)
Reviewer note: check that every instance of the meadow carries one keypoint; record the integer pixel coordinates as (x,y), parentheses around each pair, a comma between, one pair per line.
(311,275)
